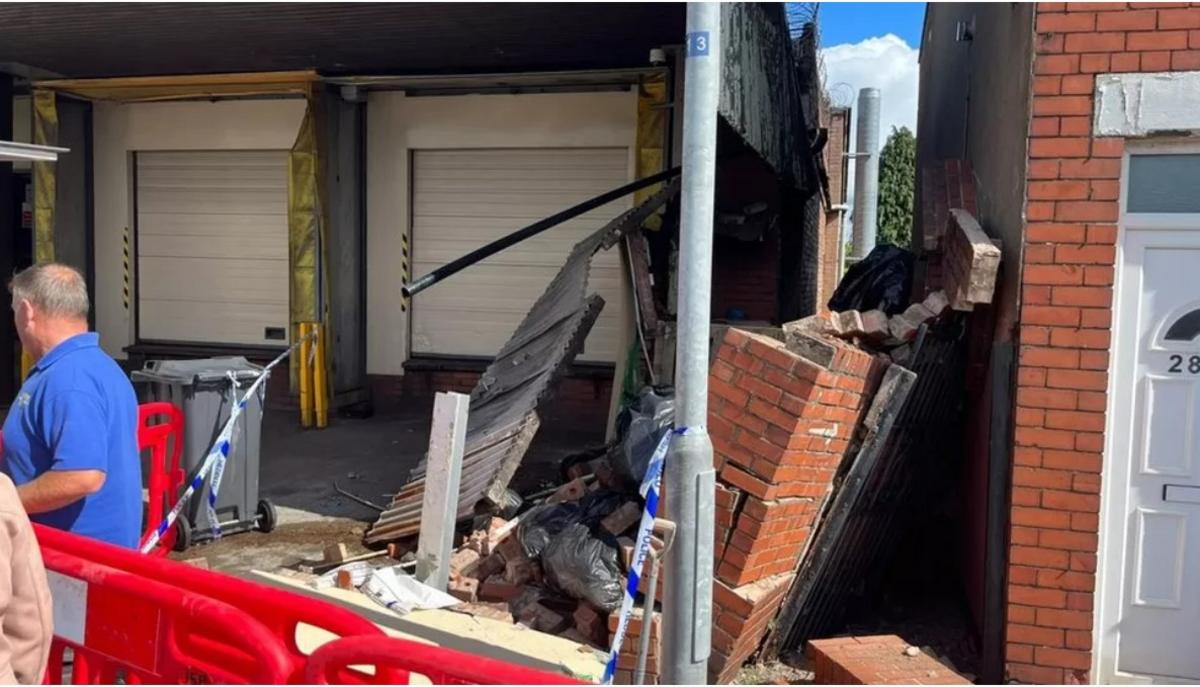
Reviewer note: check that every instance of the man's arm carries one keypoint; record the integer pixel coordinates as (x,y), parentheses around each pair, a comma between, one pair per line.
(58,488)
(74,431)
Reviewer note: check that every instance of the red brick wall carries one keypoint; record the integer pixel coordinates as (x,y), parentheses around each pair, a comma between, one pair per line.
(828,258)
(1066,314)
(780,426)
(746,277)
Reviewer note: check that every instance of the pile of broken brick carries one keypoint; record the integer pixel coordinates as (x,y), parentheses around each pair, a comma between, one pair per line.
(786,411)
(494,577)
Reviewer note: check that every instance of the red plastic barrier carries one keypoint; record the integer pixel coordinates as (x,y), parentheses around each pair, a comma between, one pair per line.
(329,665)
(166,472)
(125,627)
(281,612)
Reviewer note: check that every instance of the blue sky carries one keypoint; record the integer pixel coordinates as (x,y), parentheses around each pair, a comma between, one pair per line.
(851,22)
(873,44)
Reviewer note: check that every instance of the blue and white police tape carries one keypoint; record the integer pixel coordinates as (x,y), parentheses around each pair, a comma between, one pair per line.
(217,454)
(218,468)
(649,490)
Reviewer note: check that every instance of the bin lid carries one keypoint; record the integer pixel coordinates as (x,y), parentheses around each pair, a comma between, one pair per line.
(197,370)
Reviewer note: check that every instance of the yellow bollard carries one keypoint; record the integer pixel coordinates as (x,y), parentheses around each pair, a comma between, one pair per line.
(320,385)
(306,405)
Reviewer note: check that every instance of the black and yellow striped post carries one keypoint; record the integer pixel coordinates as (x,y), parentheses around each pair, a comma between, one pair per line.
(125,269)
(403,271)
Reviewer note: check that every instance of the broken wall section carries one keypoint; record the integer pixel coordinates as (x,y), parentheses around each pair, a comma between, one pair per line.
(781,424)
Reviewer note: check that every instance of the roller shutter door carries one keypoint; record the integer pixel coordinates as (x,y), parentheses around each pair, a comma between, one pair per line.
(463,199)
(212,252)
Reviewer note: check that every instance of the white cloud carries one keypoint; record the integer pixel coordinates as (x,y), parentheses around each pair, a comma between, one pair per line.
(884,62)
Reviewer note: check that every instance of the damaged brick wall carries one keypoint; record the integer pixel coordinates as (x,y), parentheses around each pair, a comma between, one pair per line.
(1069,256)
(781,425)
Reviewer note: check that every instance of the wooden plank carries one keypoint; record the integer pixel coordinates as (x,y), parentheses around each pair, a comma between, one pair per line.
(439,509)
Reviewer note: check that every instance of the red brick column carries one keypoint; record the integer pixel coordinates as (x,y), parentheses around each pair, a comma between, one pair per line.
(1066,314)
(781,425)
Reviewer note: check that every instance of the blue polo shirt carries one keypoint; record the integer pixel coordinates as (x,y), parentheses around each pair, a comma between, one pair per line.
(77,411)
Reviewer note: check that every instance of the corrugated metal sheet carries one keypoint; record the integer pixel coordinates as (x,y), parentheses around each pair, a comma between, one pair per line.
(888,482)
(761,88)
(132,39)
(504,404)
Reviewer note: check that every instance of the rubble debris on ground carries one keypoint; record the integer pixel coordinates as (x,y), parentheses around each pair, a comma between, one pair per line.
(799,416)
(503,415)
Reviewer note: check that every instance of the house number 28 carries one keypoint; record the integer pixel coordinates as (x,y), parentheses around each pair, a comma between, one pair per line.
(1177,363)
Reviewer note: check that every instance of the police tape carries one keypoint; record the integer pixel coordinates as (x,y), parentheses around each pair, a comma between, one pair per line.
(649,490)
(216,457)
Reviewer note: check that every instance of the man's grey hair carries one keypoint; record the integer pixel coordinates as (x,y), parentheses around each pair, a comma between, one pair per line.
(54,289)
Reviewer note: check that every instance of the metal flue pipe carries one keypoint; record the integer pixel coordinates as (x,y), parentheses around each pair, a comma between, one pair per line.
(455,266)
(690,478)
(866,174)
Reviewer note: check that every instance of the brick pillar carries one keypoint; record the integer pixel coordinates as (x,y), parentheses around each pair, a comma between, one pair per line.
(781,425)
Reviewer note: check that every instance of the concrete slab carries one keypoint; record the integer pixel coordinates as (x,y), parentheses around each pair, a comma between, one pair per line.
(444,627)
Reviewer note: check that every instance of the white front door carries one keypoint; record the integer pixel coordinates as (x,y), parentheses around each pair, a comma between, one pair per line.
(1149,622)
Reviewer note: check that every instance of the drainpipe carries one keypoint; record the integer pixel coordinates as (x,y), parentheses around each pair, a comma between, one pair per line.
(866,174)
(690,478)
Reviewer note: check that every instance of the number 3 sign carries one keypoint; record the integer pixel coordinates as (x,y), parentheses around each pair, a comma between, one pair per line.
(697,44)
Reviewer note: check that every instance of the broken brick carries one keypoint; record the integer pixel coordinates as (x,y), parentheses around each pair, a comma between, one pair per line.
(571,491)
(625,547)
(936,303)
(492,565)
(522,571)
(496,588)
(510,549)
(875,325)
(592,624)
(478,542)
(538,617)
(623,518)
(464,588)
(850,324)
(464,562)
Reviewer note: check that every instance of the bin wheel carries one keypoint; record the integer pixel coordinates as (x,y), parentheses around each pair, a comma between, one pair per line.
(183,534)
(266,516)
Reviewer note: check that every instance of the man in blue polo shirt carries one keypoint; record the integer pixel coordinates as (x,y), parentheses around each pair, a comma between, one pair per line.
(70,439)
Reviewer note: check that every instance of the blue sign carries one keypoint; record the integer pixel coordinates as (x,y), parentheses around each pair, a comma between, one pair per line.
(697,44)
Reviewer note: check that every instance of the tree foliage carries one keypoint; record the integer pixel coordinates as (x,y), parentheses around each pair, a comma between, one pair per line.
(897,179)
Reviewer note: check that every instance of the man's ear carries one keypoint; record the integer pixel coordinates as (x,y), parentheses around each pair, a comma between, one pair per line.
(23,309)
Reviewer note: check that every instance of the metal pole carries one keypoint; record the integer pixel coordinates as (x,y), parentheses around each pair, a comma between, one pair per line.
(455,266)
(687,599)
(866,173)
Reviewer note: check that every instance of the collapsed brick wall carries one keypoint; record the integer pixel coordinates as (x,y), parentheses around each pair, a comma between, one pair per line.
(945,185)
(1073,183)
(781,427)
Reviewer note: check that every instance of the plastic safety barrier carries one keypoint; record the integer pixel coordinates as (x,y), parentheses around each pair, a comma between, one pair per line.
(396,660)
(125,628)
(280,612)
(160,425)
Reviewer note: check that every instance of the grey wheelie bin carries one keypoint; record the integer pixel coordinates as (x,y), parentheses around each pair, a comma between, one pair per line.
(202,389)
